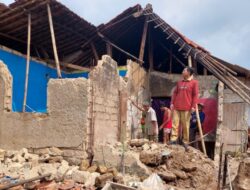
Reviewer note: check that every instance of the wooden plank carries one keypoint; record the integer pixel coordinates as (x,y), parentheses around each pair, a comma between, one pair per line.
(204,71)
(143,39)
(189,61)
(54,42)
(93,48)
(171,60)
(27,64)
(109,49)
(151,51)
(118,48)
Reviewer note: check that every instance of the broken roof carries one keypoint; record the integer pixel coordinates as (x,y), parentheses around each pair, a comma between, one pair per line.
(71,30)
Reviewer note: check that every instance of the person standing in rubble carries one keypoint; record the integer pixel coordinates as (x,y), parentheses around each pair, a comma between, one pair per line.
(183,103)
(194,126)
(167,124)
(151,125)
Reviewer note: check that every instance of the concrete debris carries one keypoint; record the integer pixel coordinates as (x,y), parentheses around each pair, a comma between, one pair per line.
(151,157)
(242,180)
(102,179)
(177,169)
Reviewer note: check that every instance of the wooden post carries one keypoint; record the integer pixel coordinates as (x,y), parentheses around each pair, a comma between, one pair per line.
(204,71)
(198,116)
(109,49)
(171,60)
(200,130)
(143,39)
(94,51)
(27,63)
(151,51)
(189,61)
(54,42)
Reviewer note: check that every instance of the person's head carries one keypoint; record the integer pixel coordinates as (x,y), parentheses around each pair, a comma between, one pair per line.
(162,107)
(187,72)
(200,106)
(146,105)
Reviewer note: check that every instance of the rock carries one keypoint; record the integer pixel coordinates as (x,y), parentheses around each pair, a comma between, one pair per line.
(101,180)
(51,185)
(80,176)
(151,157)
(73,161)
(42,151)
(138,142)
(154,146)
(162,167)
(84,165)
(7,161)
(18,158)
(91,180)
(33,172)
(23,151)
(167,176)
(189,167)
(54,151)
(31,185)
(49,168)
(31,157)
(44,158)
(10,153)
(67,184)
(102,169)
(2,154)
(15,167)
(54,159)
(180,174)
(113,170)
(119,179)
(146,147)
(70,171)
(62,170)
(242,180)
(92,169)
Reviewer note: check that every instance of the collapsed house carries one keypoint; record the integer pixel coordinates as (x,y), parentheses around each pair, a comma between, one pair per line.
(81,79)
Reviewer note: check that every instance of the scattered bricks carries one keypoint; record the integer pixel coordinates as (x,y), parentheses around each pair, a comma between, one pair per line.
(101,180)
(84,165)
(54,151)
(138,142)
(2,154)
(113,171)
(67,184)
(102,169)
(189,167)
(55,159)
(167,176)
(151,157)
(92,169)
(180,174)
(80,176)
(119,179)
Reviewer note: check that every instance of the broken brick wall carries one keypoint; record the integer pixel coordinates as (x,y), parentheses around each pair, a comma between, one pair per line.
(65,125)
(105,84)
(138,90)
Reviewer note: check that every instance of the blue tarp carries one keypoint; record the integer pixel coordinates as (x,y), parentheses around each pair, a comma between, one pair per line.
(39,76)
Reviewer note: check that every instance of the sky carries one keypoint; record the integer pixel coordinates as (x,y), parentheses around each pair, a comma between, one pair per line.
(221,26)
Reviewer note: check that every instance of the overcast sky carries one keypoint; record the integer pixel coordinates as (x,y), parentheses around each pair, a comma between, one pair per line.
(221,26)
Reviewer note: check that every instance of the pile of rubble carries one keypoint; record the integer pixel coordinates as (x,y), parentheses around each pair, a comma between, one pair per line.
(136,160)
(176,167)
(18,166)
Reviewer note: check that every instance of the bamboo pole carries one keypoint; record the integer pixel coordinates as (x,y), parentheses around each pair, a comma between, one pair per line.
(143,39)
(27,63)
(54,42)
(200,130)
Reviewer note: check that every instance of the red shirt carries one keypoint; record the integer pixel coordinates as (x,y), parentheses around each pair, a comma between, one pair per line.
(185,95)
(168,125)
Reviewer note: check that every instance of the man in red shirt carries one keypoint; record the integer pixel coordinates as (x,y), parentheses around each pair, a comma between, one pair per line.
(183,103)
